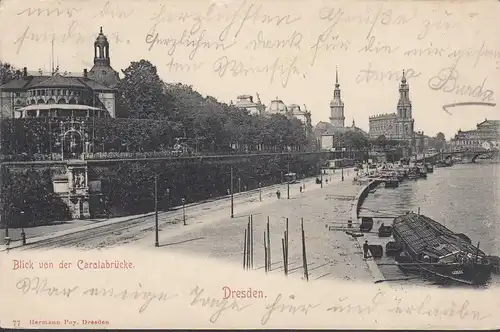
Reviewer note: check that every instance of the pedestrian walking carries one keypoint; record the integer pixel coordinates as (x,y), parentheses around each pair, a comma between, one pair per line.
(304,186)
(278,194)
(326,180)
(365,249)
(300,188)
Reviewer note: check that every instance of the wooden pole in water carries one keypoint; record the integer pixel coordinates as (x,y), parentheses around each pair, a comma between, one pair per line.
(251,243)
(268,246)
(419,210)
(304,258)
(265,252)
(286,243)
(285,253)
(284,258)
(248,245)
(245,251)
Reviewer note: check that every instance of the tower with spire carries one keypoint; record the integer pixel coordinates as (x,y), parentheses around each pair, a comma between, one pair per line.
(337,117)
(102,71)
(405,122)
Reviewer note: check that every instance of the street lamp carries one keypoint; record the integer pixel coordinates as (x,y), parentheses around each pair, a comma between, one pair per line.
(157,243)
(168,199)
(239,185)
(184,210)
(342,164)
(23,234)
(260,192)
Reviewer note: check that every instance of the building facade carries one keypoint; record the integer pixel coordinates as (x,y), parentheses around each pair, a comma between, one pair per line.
(326,133)
(485,136)
(246,102)
(337,118)
(396,126)
(92,94)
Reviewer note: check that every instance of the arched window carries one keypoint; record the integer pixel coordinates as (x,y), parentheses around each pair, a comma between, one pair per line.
(61,101)
(51,101)
(41,101)
(72,101)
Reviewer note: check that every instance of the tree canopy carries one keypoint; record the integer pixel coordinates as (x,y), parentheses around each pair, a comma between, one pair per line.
(153,114)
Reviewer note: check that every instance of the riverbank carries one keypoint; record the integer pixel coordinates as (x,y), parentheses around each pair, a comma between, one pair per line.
(330,254)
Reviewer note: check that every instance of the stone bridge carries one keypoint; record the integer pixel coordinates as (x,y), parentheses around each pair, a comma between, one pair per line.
(466,156)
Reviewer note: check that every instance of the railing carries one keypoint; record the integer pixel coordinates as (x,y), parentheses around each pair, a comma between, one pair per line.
(156,154)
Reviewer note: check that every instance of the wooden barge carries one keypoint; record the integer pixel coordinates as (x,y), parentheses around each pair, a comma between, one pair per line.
(436,252)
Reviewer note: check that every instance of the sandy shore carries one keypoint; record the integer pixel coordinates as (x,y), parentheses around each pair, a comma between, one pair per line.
(330,254)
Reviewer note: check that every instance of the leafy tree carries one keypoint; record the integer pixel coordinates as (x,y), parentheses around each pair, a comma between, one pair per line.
(141,92)
(440,136)
(8,73)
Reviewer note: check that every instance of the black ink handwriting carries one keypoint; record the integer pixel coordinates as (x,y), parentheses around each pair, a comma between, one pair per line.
(278,306)
(39,287)
(469,103)
(368,75)
(423,309)
(197,42)
(252,13)
(125,294)
(293,42)
(110,11)
(48,11)
(220,304)
(279,67)
(174,66)
(344,306)
(475,53)
(447,80)
(374,46)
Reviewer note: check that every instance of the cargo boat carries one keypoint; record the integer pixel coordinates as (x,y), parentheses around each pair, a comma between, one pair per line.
(437,253)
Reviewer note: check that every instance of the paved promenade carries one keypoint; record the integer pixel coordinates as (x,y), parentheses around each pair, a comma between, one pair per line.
(331,254)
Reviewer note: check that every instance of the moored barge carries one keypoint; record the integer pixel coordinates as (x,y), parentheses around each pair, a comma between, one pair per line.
(437,253)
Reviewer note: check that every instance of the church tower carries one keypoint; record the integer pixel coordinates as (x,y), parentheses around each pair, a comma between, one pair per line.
(102,71)
(404,118)
(337,117)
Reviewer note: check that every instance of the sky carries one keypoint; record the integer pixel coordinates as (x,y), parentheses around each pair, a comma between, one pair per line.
(285,49)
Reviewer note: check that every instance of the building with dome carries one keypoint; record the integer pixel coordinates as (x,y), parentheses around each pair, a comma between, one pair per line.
(397,126)
(91,94)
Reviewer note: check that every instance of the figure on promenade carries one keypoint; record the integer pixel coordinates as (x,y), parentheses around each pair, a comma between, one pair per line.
(300,189)
(326,180)
(278,194)
(365,249)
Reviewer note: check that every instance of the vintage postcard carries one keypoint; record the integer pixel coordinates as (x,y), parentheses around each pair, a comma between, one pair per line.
(249,164)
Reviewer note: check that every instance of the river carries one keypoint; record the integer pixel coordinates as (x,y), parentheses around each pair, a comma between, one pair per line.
(462,197)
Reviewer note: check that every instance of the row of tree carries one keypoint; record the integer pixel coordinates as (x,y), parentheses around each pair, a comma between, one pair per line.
(154,114)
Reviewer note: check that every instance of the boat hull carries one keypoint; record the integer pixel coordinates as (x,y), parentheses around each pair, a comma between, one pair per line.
(439,254)
(478,274)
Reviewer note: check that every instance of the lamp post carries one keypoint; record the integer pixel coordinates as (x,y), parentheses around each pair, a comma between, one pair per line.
(168,199)
(23,234)
(321,175)
(342,165)
(184,210)
(239,185)
(157,243)
(232,197)
(260,192)
(288,182)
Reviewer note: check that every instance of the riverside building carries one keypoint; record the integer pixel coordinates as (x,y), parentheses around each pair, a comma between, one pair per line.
(92,94)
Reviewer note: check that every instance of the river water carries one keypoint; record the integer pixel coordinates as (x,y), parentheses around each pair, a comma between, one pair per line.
(462,197)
